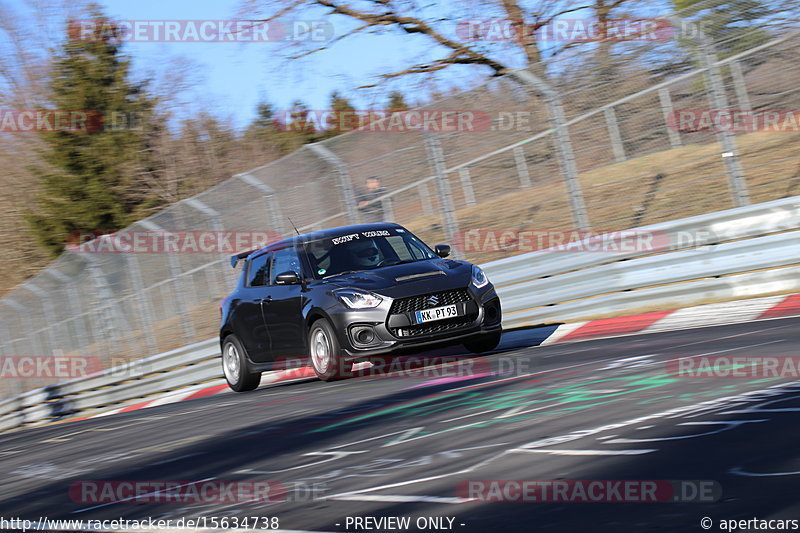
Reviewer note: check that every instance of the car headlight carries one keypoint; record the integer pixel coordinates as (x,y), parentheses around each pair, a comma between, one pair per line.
(479,278)
(358,299)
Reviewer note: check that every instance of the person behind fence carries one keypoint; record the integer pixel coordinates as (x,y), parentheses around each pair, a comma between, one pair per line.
(372,212)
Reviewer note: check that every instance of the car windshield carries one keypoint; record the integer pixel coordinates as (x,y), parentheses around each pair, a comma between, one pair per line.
(364,250)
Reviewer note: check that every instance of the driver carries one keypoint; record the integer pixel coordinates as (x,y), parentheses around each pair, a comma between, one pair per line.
(366,253)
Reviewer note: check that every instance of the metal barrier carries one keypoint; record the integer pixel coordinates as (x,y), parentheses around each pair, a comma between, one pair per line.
(739,253)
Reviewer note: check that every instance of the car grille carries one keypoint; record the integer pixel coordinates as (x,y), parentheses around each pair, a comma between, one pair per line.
(434,327)
(415,303)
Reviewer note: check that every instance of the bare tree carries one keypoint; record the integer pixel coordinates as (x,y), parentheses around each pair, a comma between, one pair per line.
(438,26)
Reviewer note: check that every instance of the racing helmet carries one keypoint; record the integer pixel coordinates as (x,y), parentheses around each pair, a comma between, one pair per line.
(366,253)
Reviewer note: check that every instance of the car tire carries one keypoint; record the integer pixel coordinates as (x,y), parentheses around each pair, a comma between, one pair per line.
(235,368)
(325,353)
(485,343)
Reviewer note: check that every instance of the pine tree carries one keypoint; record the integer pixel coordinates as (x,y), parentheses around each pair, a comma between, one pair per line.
(397,102)
(343,118)
(301,124)
(87,185)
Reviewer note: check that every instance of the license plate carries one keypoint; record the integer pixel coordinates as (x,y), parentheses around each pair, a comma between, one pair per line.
(436,313)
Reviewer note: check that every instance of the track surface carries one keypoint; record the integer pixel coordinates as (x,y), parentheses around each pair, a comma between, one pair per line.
(399,446)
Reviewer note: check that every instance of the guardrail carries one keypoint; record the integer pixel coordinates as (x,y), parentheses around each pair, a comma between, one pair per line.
(739,253)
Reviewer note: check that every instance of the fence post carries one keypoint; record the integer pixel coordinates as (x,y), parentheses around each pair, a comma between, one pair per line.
(53,340)
(110,322)
(177,278)
(7,345)
(81,332)
(466,186)
(719,102)
(436,159)
(522,167)
(563,144)
(273,207)
(219,227)
(145,310)
(667,111)
(81,337)
(33,340)
(387,208)
(347,189)
(613,132)
(739,85)
(425,198)
(16,385)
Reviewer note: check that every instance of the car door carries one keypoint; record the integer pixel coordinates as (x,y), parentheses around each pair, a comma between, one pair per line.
(282,309)
(248,318)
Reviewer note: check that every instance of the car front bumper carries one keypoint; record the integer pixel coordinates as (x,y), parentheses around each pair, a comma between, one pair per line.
(394,332)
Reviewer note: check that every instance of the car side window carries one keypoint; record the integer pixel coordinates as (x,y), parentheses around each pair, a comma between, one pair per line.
(405,249)
(258,274)
(284,260)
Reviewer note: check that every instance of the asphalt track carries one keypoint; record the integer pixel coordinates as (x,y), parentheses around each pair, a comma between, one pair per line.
(379,446)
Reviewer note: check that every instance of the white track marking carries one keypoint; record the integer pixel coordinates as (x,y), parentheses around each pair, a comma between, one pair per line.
(552,451)
(562,331)
(719,314)
(688,328)
(569,437)
(176,459)
(399,498)
(139,496)
(717,339)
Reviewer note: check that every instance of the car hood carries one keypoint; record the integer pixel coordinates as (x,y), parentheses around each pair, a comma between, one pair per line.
(410,279)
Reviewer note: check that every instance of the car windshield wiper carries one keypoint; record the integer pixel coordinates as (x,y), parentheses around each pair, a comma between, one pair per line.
(341,273)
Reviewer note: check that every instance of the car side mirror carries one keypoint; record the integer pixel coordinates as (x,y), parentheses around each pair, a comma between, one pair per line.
(287,278)
(442,250)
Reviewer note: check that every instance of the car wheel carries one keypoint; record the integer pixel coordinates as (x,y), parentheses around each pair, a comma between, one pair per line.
(484,343)
(326,354)
(234,366)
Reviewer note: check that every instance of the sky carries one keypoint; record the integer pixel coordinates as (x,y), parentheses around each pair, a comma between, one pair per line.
(234,77)
(230,78)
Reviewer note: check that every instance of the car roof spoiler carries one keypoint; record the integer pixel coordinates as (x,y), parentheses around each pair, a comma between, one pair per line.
(238,257)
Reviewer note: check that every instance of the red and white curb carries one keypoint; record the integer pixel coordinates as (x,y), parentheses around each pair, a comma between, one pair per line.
(206,389)
(720,314)
(734,312)
(200,391)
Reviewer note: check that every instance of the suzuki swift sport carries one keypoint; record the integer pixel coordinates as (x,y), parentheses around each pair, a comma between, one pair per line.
(350,294)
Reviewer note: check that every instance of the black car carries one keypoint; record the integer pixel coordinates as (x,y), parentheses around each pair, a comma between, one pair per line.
(351,294)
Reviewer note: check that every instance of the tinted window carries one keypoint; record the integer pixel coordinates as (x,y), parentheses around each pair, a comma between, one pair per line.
(407,248)
(364,251)
(258,274)
(283,261)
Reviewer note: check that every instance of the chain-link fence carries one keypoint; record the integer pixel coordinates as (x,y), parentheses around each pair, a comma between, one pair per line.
(589,148)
